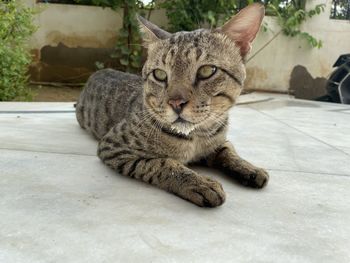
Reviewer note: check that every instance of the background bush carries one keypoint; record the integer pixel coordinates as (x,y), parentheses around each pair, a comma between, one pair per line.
(16,26)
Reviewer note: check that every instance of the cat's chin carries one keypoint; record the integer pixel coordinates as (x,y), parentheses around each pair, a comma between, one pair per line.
(184,128)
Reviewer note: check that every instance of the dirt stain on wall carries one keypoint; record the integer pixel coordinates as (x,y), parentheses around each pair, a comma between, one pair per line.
(304,86)
(65,64)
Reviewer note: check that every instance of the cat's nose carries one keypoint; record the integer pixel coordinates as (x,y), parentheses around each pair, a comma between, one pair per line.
(178,104)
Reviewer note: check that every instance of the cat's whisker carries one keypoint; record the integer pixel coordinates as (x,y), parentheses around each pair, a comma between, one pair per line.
(153,128)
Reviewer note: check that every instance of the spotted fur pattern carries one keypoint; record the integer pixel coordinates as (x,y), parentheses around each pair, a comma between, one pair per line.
(142,136)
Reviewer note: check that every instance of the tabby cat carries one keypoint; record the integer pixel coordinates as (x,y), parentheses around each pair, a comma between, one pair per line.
(150,128)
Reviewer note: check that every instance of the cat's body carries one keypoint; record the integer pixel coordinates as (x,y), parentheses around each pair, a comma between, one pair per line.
(108,98)
(149,128)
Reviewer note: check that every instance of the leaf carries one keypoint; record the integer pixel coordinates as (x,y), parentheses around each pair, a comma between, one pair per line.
(124,61)
(16,28)
(125,50)
(211,17)
(99,65)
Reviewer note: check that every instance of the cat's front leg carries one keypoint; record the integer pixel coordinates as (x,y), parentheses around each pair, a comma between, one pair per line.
(165,173)
(226,159)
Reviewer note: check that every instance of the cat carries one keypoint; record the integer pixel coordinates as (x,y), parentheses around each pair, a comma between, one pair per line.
(151,127)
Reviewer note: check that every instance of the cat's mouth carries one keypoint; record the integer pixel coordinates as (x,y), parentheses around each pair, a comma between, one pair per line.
(181,120)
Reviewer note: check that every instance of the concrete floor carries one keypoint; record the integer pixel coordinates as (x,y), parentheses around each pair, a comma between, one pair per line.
(59,203)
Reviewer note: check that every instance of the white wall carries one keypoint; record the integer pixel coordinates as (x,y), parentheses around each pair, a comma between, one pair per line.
(271,69)
(79,25)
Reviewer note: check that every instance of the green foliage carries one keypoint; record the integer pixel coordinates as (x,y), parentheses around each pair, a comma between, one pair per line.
(340,9)
(192,14)
(291,16)
(188,15)
(128,47)
(16,26)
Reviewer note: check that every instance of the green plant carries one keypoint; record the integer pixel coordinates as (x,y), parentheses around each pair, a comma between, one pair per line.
(193,14)
(128,47)
(16,26)
(292,15)
(340,9)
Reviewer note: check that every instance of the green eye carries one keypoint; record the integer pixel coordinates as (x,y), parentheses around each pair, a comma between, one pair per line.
(206,72)
(159,75)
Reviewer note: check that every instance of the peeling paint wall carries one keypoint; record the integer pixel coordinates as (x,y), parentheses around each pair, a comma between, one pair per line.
(71,38)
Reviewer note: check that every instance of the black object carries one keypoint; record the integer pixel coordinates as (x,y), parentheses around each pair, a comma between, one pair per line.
(341,60)
(338,84)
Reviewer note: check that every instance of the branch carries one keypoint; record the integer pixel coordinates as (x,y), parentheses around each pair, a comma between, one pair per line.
(265,45)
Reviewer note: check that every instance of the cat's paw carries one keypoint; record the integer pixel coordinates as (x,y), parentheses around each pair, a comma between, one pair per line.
(258,178)
(206,193)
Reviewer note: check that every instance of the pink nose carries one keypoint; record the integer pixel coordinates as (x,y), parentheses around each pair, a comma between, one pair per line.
(177,104)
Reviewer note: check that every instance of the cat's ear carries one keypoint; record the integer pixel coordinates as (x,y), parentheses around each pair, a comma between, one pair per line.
(151,32)
(243,27)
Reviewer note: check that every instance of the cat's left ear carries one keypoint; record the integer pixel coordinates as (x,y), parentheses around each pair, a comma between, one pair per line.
(151,32)
(243,27)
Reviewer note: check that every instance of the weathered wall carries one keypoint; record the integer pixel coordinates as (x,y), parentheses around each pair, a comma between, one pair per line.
(71,38)
(271,69)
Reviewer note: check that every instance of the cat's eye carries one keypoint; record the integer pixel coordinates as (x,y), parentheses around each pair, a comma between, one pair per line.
(159,75)
(205,72)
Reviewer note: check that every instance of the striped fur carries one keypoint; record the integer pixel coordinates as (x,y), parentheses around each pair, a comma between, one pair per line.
(141,135)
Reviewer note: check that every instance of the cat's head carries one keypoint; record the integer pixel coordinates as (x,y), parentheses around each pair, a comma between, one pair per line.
(191,79)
